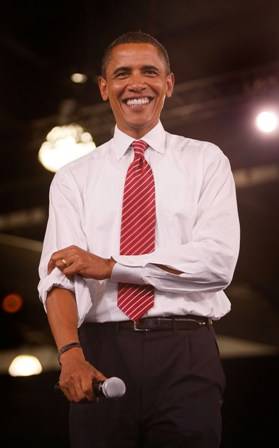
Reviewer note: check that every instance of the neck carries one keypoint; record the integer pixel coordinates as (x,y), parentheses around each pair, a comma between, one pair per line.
(137,133)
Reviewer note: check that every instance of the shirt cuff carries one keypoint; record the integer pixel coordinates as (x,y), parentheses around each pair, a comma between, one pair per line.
(127,274)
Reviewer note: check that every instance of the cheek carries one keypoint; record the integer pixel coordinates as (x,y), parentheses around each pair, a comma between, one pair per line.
(116,90)
(113,100)
(160,89)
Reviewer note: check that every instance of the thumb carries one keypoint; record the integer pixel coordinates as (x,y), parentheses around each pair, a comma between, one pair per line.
(99,376)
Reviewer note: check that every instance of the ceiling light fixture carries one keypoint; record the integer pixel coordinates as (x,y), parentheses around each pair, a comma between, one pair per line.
(63,145)
(79,78)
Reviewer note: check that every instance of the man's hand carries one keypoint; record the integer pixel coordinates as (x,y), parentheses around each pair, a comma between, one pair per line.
(74,260)
(77,376)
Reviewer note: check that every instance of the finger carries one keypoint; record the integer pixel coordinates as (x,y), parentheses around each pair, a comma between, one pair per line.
(79,393)
(66,392)
(87,388)
(66,252)
(60,254)
(61,264)
(73,265)
(99,376)
(88,383)
(72,393)
(76,390)
(66,386)
(53,262)
(72,269)
(50,266)
(57,255)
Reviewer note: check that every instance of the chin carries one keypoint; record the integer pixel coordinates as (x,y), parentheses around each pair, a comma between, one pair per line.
(141,124)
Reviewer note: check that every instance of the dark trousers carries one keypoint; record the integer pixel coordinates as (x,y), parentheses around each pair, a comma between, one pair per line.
(174,381)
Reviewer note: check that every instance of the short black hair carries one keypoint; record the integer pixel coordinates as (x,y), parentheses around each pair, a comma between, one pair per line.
(134,37)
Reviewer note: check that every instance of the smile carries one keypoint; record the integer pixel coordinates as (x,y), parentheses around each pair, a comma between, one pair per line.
(138,101)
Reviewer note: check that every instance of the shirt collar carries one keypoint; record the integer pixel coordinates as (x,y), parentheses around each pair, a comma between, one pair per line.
(155,139)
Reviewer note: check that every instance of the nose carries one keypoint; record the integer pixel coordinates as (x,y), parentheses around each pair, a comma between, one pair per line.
(136,83)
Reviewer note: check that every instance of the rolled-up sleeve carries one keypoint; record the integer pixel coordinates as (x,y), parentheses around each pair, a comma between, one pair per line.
(207,261)
(64,228)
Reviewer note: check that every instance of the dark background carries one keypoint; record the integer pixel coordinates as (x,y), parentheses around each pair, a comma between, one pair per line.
(225,56)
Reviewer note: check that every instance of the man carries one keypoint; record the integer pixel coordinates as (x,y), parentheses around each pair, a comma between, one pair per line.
(142,239)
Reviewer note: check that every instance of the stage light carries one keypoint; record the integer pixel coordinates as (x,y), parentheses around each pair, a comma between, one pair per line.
(267,121)
(12,303)
(25,365)
(63,145)
(79,78)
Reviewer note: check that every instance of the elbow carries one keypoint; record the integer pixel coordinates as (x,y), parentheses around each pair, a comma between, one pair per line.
(225,271)
(225,280)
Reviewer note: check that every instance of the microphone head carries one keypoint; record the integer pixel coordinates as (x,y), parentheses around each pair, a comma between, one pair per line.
(113,387)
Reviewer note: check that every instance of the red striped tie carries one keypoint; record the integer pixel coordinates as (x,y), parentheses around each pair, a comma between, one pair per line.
(137,230)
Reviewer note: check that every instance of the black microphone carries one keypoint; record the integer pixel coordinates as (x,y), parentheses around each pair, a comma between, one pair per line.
(111,388)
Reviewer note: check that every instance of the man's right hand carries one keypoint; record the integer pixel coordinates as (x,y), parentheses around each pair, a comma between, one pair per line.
(77,376)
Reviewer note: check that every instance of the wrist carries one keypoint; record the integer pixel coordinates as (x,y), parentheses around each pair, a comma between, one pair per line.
(72,346)
(72,356)
(111,262)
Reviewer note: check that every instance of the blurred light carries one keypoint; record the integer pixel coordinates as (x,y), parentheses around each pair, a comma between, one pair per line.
(267,121)
(78,78)
(63,145)
(86,137)
(12,303)
(25,365)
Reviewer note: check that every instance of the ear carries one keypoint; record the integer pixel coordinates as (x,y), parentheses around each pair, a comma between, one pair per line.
(103,87)
(170,84)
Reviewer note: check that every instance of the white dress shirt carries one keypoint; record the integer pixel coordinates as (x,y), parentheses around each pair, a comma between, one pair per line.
(197,227)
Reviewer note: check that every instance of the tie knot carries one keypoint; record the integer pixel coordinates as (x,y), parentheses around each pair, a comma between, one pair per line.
(139,146)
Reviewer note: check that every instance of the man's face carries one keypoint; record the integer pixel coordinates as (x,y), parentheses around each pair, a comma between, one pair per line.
(136,84)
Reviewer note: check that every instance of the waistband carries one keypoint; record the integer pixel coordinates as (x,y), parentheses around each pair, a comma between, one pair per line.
(170,323)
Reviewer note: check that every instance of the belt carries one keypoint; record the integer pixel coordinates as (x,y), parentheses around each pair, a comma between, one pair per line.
(188,322)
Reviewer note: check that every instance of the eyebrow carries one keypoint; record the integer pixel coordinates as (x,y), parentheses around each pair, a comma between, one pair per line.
(128,69)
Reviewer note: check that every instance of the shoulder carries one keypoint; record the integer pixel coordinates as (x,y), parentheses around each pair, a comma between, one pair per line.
(79,169)
(98,154)
(193,148)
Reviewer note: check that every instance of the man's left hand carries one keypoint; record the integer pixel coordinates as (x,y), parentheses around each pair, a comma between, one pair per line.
(74,260)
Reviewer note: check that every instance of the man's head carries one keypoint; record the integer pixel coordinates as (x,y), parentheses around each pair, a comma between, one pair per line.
(134,37)
(136,78)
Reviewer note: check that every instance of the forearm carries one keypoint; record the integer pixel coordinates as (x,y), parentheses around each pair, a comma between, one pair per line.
(62,316)
(181,269)
(77,375)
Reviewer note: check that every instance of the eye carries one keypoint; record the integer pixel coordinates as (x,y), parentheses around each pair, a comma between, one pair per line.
(150,72)
(121,75)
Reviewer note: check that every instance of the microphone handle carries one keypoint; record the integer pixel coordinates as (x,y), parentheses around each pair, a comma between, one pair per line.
(97,389)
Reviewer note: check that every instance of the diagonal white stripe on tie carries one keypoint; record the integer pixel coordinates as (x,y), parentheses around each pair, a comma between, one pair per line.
(137,230)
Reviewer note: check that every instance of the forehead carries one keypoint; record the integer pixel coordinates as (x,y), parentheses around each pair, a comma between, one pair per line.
(134,54)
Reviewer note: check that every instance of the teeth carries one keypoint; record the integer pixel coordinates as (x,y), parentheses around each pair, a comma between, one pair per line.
(137,101)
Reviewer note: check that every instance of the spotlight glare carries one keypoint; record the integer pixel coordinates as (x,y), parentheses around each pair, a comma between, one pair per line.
(12,303)
(79,78)
(267,121)
(25,365)
(64,144)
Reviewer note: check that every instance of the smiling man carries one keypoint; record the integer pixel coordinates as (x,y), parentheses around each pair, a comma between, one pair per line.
(142,239)
(136,81)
